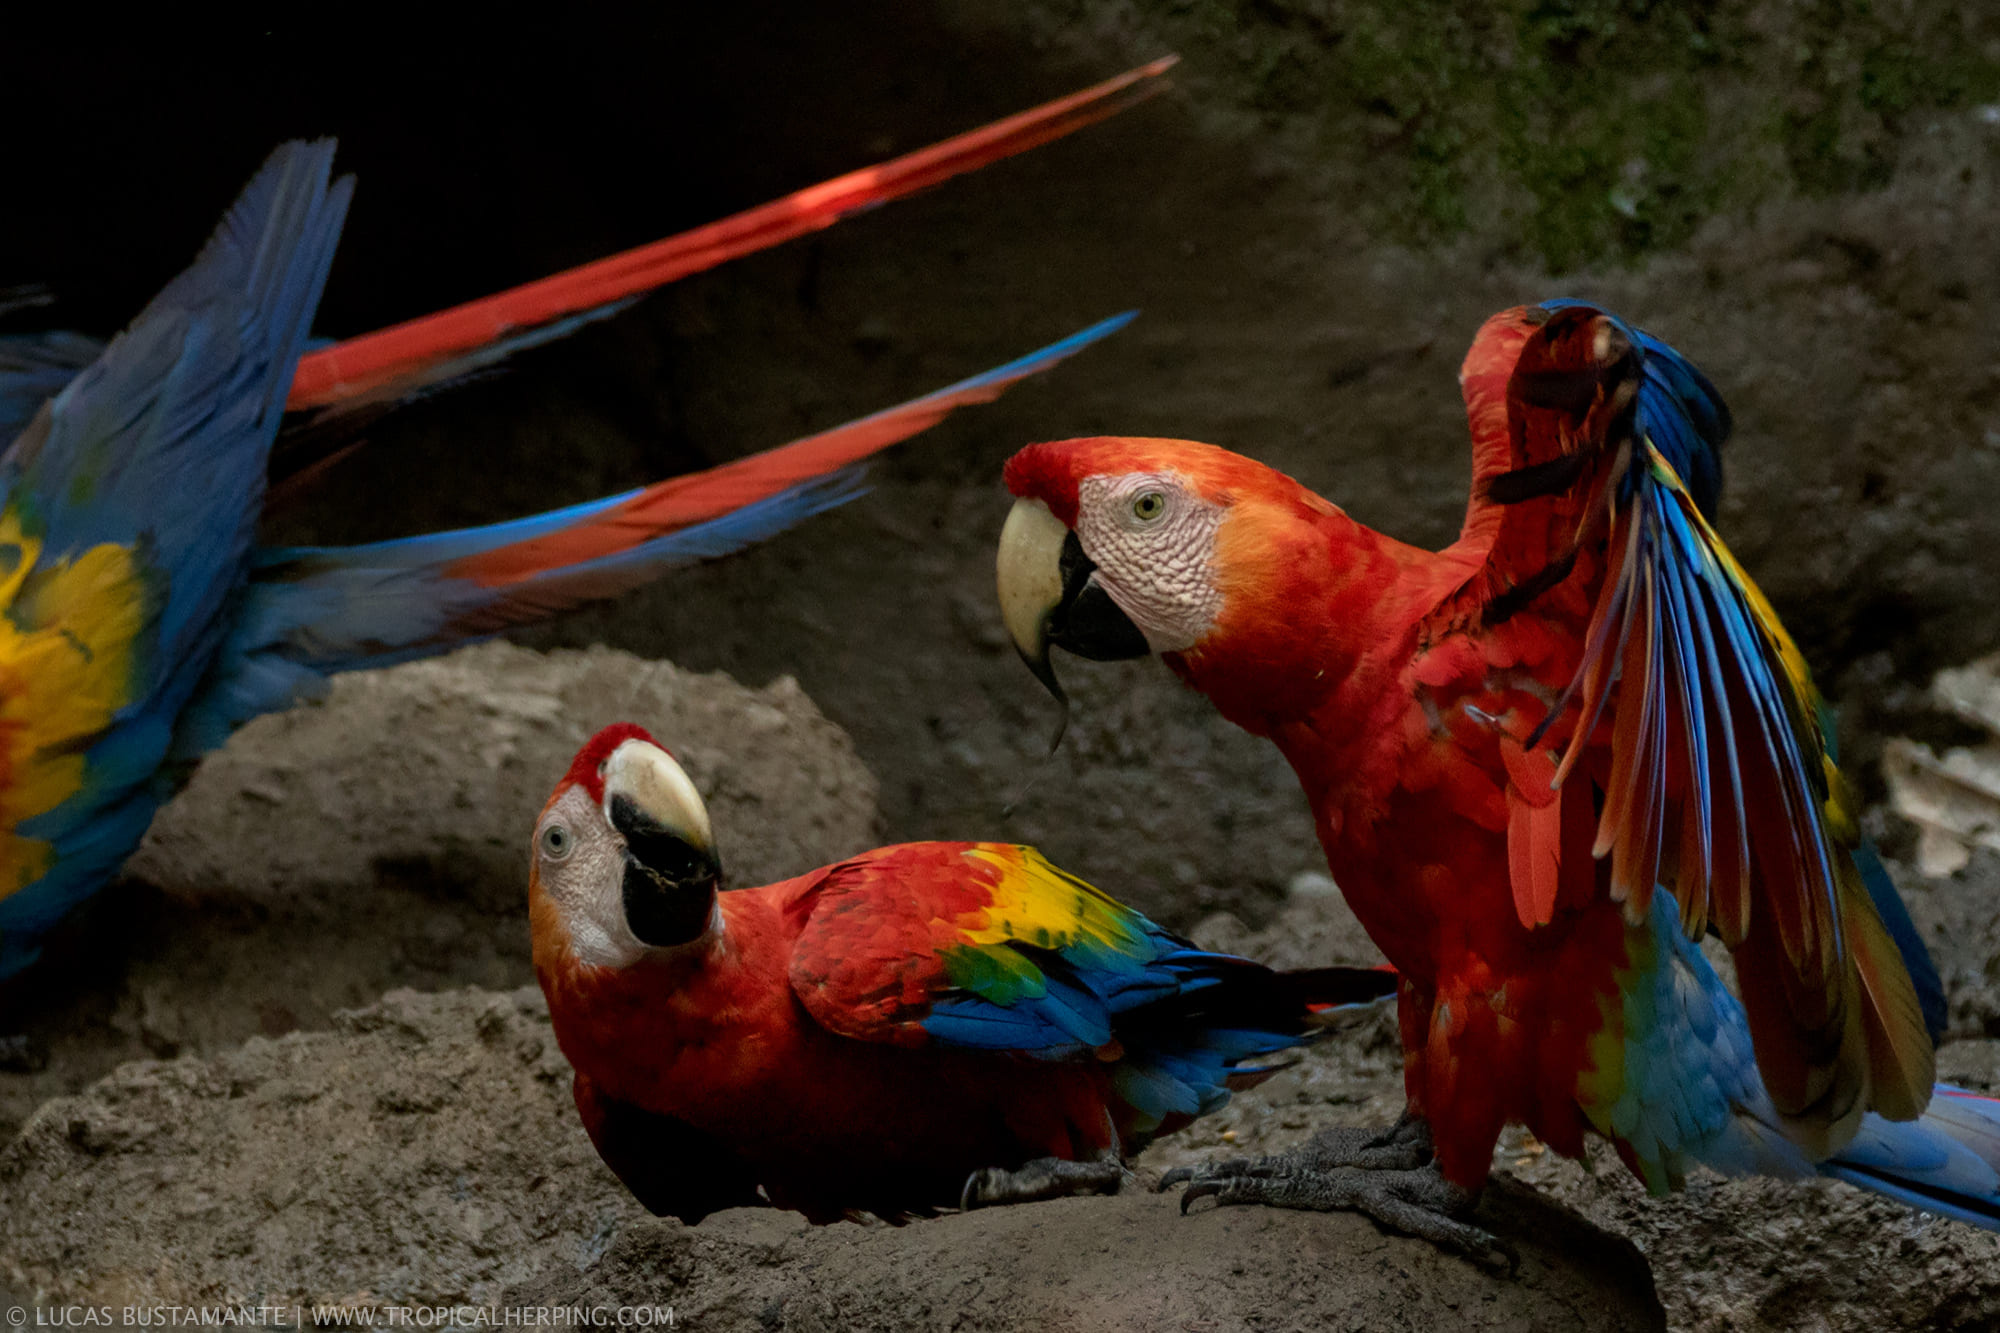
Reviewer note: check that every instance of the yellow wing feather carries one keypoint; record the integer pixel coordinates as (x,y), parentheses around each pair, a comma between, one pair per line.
(66,657)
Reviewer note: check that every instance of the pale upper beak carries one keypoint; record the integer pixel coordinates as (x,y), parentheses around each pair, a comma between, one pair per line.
(1031,584)
(1050,598)
(671,870)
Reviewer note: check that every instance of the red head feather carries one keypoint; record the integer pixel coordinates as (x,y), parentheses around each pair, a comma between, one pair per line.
(584,769)
(1284,548)
(1051,472)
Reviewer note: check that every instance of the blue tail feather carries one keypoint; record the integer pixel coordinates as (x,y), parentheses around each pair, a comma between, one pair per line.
(1948,1162)
(310,612)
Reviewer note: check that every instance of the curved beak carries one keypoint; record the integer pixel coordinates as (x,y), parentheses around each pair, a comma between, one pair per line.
(672,873)
(1049,599)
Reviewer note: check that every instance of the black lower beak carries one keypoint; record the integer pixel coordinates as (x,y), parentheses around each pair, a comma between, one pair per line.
(1049,598)
(1086,621)
(670,883)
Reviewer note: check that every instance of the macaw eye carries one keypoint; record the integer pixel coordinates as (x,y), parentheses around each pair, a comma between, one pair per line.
(1148,505)
(557,842)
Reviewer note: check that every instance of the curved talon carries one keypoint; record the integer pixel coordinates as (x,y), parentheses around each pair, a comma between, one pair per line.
(1202,1189)
(1234,1166)
(1479,1246)
(968,1198)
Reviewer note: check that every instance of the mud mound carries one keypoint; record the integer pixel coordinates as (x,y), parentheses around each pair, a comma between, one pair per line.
(328,854)
(424,1152)
(1727,1255)
(1129,1262)
(444,765)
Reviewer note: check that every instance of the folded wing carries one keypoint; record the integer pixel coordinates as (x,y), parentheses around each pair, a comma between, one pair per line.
(989,947)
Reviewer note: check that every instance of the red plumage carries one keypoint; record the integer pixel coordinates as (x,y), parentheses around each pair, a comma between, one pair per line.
(869,1035)
(1496,842)
(586,770)
(369,365)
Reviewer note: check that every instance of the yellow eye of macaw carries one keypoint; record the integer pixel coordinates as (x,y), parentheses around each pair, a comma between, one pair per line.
(1149,506)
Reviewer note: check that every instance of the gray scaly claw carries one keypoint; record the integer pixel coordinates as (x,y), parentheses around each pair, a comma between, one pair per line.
(1404,1146)
(1418,1202)
(1043,1178)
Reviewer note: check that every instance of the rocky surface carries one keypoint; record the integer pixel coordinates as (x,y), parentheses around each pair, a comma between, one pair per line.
(1125,1263)
(424,1152)
(330,853)
(1728,1256)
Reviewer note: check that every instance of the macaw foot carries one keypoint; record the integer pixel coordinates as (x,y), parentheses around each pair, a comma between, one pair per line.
(1404,1146)
(1417,1201)
(1043,1178)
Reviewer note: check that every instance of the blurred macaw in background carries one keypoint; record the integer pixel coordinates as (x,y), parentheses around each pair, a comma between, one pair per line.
(338,387)
(1544,763)
(932,1024)
(143,624)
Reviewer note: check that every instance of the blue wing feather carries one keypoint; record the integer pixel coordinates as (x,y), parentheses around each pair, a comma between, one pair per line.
(35,367)
(1679,408)
(1710,690)
(310,612)
(159,447)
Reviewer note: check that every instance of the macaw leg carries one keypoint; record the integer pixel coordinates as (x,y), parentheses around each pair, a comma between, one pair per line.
(1043,1178)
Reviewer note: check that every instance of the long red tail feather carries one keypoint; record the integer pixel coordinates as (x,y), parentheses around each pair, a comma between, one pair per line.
(366,364)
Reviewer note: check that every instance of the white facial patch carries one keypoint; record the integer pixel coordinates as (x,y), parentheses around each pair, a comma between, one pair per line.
(587,883)
(1153,542)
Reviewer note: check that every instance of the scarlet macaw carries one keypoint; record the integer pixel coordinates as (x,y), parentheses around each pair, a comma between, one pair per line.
(920,1025)
(1543,763)
(142,625)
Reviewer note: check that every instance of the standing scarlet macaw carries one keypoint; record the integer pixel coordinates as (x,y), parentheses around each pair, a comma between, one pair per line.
(916,1026)
(141,625)
(1543,762)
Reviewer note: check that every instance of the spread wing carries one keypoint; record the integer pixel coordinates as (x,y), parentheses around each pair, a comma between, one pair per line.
(1686,744)
(127,509)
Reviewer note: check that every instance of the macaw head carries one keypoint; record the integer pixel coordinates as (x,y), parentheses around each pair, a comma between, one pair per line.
(1119,547)
(623,864)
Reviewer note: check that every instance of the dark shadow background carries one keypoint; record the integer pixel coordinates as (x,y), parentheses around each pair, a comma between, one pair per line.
(1293,308)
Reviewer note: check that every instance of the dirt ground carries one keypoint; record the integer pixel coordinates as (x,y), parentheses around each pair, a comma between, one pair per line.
(334,852)
(1294,307)
(423,1153)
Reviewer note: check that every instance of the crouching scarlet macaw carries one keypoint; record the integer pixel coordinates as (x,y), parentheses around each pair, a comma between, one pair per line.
(920,1025)
(1543,763)
(141,623)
